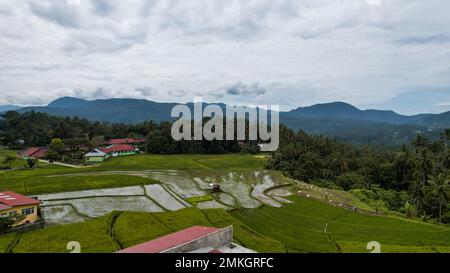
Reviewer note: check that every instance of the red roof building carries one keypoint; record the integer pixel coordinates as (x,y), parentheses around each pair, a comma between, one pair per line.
(4,207)
(196,239)
(172,240)
(34,152)
(23,209)
(12,199)
(126,141)
(118,149)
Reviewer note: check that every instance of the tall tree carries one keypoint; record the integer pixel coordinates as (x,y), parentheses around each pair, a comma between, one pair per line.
(439,187)
(424,168)
(9,160)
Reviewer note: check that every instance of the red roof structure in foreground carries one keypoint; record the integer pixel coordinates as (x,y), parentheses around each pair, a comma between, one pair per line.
(12,199)
(4,207)
(172,240)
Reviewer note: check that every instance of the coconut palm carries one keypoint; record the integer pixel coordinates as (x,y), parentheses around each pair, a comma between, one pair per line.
(424,168)
(417,193)
(439,187)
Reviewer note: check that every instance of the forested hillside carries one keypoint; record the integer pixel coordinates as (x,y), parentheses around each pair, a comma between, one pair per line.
(413,179)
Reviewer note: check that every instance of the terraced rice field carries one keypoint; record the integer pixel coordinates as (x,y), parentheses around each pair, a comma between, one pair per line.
(115,231)
(308,225)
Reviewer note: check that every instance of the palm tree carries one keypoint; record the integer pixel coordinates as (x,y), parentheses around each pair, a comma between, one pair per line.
(409,210)
(439,187)
(424,167)
(418,193)
(420,142)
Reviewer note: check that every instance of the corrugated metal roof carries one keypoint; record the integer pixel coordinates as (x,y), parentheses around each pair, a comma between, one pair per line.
(126,141)
(37,152)
(4,207)
(95,153)
(14,199)
(172,240)
(118,148)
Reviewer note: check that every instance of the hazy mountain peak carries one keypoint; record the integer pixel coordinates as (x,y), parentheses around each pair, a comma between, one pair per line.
(139,110)
(67,102)
(6,108)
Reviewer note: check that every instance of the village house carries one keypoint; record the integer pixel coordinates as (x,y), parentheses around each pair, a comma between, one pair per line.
(120,150)
(100,154)
(34,153)
(26,209)
(196,239)
(95,156)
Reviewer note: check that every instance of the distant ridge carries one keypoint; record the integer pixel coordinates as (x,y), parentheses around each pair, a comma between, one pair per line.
(335,119)
(342,110)
(139,110)
(5,108)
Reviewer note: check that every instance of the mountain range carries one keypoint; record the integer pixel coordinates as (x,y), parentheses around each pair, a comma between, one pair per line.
(337,119)
(5,108)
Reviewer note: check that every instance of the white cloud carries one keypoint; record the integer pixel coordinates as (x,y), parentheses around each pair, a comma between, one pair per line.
(294,52)
(443,104)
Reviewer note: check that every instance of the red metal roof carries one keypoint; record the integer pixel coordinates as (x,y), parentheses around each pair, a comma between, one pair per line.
(37,152)
(118,148)
(4,207)
(13,199)
(40,154)
(171,240)
(126,141)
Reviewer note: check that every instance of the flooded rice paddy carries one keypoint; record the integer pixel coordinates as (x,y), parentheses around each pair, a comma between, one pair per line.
(238,189)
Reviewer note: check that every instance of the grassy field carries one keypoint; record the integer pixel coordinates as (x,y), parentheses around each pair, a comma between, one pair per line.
(198,199)
(233,162)
(93,236)
(18,163)
(308,225)
(119,230)
(44,184)
(6,241)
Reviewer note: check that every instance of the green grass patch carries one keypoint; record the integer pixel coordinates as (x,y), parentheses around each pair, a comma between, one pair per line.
(5,241)
(199,199)
(181,219)
(184,162)
(360,247)
(45,184)
(132,228)
(18,163)
(92,235)
(243,234)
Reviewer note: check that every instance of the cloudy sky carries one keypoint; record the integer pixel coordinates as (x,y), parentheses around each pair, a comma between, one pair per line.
(385,54)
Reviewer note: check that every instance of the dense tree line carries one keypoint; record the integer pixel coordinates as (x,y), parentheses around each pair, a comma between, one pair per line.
(160,141)
(38,129)
(415,174)
(29,129)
